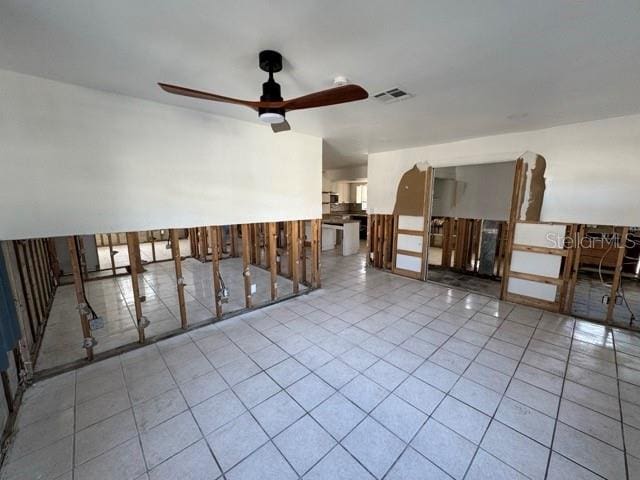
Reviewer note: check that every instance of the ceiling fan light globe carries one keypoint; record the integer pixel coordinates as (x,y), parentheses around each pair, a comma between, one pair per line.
(271,117)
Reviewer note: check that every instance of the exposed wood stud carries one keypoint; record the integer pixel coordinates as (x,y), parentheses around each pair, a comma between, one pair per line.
(203,247)
(38,277)
(575,268)
(177,262)
(81,300)
(514,213)
(153,245)
(53,260)
(295,255)
(133,248)
(303,251)
(28,299)
(289,242)
(316,228)
(615,283)
(385,243)
(246,272)
(447,228)
(111,255)
(273,268)
(215,268)
(234,240)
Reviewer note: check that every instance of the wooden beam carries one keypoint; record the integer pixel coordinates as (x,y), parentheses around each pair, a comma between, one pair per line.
(387,240)
(45,268)
(246,271)
(567,266)
(371,220)
(273,267)
(426,222)
(28,299)
(289,242)
(111,254)
(316,228)
(38,275)
(533,302)
(533,249)
(303,251)
(295,255)
(575,268)
(133,248)
(615,283)
(215,268)
(153,246)
(234,240)
(204,245)
(80,299)
(536,278)
(514,215)
(174,238)
(33,290)
(446,243)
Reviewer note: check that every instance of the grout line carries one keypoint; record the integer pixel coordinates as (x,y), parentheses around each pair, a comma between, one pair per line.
(564,379)
(624,444)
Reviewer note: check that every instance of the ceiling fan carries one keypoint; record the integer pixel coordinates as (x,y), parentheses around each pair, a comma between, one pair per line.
(271,107)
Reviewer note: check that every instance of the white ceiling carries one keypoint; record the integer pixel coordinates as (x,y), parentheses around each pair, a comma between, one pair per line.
(475,67)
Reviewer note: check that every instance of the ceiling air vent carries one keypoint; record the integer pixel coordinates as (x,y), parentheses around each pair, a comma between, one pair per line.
(392,95)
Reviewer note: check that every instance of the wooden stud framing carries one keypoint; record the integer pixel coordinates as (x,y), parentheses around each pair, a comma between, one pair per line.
(295,255)
(39,281)
(177,262)
(316,228)
(246,272)
(303,251)
(111,254)
(516,196)
(153,245)
(26,293)
(203,246)
(615,283)
(289,242)
(273,267)
(134,247)
(574,264)
(215,268)
(78,284)
(234,240)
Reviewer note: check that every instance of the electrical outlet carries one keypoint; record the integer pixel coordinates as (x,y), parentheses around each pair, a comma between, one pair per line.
(96,323)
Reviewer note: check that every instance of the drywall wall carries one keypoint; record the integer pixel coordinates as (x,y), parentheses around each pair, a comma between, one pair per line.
(473,191)
(76,160)
(593,168)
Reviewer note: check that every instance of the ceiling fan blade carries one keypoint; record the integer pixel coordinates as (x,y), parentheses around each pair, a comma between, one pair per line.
(188,92)
(332,96)
(280,127)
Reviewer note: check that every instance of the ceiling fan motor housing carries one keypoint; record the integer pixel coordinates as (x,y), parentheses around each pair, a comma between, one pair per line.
(270,62)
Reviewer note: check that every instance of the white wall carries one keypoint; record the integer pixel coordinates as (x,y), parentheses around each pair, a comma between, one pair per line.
(76,160)
(331,177)
(593,168)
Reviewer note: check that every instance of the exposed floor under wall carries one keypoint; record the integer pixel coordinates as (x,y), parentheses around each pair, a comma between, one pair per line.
(146,253)
(590,290)
(373,375)
(468,281)
(112,299)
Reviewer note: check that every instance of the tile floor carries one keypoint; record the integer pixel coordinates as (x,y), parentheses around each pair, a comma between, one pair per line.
(374,376)
(112,299)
